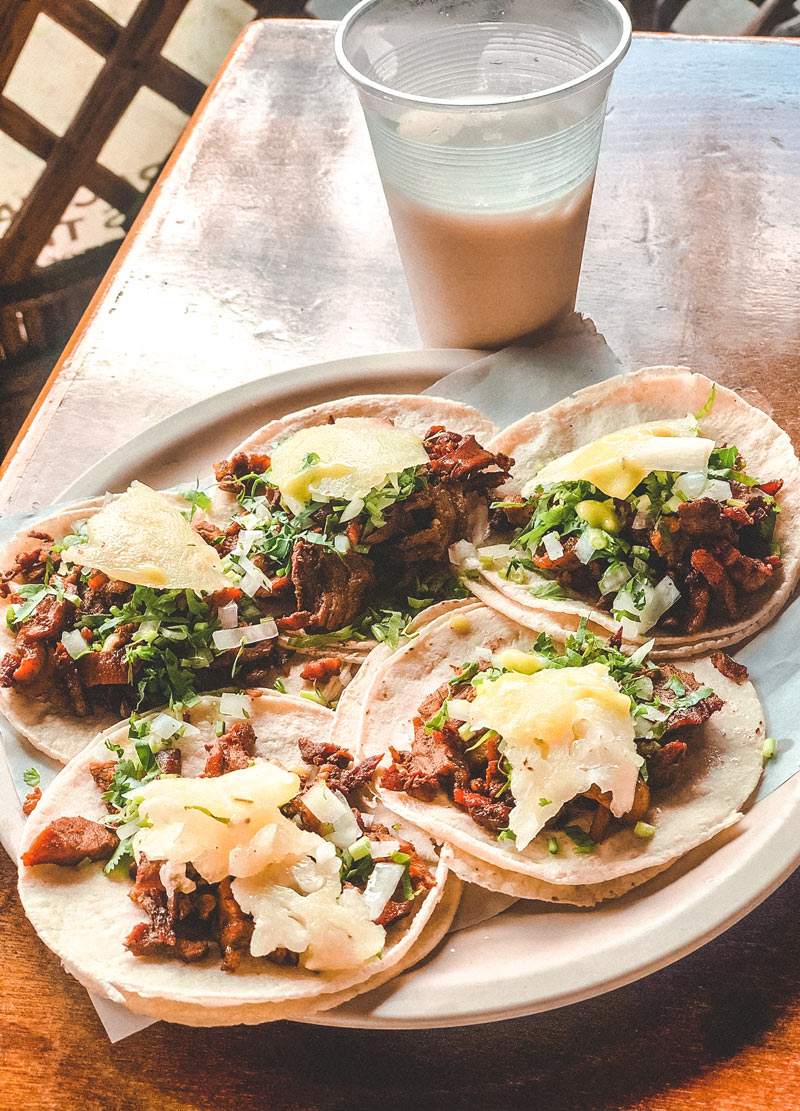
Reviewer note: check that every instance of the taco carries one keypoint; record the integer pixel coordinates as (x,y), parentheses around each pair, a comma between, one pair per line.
(558,766)
(118,604)
(659,501)
(209,869)
(349,510)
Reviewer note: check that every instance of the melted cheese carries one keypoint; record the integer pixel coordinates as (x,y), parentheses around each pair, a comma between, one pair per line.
(140,538)
(563,731)
(285,877)
(617,463)
(355,456)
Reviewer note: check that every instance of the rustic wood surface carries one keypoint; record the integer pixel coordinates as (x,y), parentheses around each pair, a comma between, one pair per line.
(267,246)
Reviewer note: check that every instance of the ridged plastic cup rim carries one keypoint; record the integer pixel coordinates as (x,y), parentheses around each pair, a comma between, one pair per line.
(556,92)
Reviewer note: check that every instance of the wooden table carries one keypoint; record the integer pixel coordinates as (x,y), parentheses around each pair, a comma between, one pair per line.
(267,246)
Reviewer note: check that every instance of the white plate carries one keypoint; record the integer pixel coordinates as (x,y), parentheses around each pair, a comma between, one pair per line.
(533,957)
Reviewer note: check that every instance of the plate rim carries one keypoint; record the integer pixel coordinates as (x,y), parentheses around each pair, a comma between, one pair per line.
(706,914)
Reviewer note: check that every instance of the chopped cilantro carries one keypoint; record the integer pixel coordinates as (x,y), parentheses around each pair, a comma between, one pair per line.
(196,497)
(708,406)
(439,718)
(548,590)
(31,777)
(205,810)
(582,842)
(506,835)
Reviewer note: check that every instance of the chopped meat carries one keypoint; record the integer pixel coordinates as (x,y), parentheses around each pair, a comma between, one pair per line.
(224,540)
(323,752)
(420,772)
(8,666)
(68,841)
(663,767)
(107,668)
(514,513)
(492,814)
(729,667)
(600,823)
(704,518)
(229,472)
(321,670)
(231,751)
(50,618)
(166,932)
(102,772)
(101,593)
(331,589)
(455,457)
(30,566)
(669,540)
(565,563)
(31,800)
(33,662)
(354,778)
(235,928)
(394,910)
(170,760)
(690,715)
(747,573)
(716,577)
(431,521)
(284,956)
(223,597)
(67,671)
(699,598)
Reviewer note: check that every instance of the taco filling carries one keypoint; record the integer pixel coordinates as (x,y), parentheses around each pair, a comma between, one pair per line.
(347,525)
(246,858)
(566,744)
(654,524)
(129,611)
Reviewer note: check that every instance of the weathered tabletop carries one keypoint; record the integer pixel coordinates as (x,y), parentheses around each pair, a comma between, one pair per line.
(267,246)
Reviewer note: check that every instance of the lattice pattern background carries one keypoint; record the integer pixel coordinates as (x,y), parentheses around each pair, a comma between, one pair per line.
(34,305)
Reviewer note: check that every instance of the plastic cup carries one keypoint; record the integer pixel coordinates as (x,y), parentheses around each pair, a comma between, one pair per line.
(485,118)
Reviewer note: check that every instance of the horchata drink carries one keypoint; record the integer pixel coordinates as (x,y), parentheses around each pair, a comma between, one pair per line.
(486,122)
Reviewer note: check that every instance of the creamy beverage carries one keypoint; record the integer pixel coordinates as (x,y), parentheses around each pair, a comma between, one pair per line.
(486,120)
(481,279)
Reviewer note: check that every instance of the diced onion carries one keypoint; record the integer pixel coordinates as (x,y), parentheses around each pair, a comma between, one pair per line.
(585,548)
(381,886)
(718,489)
(148,630)
(341,543)
(691,485)
(74,643)
(245,541)
(463,554)
(235,706)
(382,849)
(225,639)
(614,579)
(642,652)
(128,829)
(352,509)
(658,600)
(459,709)
(552,545)
(228,615)
(325,806)
(345,830)
(165,726)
